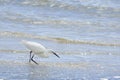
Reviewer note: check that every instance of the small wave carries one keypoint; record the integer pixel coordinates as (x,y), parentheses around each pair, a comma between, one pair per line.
(51,3)
(22,19)
(12,51)
(59,64)
(55,39)
(77,5)
(30,20)
(22,35)
(63,40)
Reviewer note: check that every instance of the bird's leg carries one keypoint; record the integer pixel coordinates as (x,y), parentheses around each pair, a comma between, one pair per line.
(33,59)
(30,56)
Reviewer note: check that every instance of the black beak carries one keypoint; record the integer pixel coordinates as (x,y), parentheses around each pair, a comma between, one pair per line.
(55,54)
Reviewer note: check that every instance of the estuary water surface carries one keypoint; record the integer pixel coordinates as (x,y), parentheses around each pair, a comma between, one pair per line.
(85,33)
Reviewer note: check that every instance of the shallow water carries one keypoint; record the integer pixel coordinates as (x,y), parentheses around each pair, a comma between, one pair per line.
(85,33)
(69,67)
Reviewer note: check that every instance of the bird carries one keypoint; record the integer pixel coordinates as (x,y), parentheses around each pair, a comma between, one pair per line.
(38,49)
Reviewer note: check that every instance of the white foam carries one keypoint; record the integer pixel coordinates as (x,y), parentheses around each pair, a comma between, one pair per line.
(104,79)
(116,77)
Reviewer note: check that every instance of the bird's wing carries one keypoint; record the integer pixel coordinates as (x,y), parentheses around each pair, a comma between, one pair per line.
(34,46)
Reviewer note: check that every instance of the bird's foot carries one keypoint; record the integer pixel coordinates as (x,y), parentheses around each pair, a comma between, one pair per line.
(31,59)
(34,61)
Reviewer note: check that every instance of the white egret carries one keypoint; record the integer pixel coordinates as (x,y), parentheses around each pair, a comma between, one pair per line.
(38,49)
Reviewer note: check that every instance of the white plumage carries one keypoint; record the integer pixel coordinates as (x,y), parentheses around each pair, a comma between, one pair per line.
(38,49)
